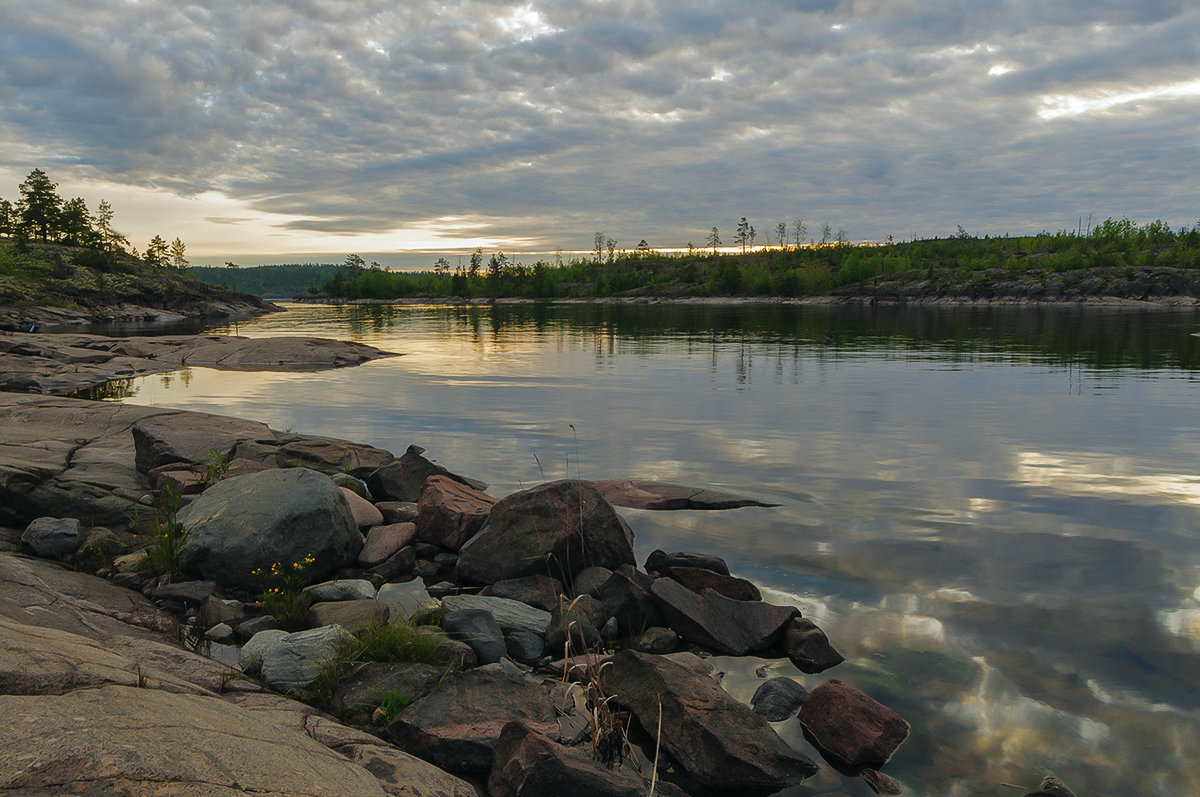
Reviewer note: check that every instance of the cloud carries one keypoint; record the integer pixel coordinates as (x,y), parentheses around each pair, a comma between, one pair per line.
(551,119)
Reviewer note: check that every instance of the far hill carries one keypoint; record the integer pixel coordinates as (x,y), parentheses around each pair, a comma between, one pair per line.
(52,283)
(273,282)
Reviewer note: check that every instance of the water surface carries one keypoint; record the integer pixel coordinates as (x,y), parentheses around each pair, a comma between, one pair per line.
(993,512)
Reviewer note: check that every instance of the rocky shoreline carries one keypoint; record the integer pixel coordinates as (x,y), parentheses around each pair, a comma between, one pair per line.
(388,626)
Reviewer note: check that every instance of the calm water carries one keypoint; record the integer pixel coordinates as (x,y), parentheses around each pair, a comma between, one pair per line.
(993,513)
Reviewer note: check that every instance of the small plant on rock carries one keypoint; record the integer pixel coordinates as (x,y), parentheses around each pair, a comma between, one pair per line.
(165,552)
(283,591)
(395,701)
(215,465)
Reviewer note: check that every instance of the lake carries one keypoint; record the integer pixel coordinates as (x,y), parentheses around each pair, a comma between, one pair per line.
(993,512)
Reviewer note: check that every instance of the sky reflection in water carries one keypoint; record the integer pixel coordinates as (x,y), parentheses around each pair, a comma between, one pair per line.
(992,512)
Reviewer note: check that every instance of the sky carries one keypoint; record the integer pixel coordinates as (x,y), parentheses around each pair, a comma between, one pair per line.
(299,131)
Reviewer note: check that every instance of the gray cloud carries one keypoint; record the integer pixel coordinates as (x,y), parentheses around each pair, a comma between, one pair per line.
(645,119)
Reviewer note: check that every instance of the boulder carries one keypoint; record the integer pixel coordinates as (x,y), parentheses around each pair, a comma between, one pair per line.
(778,699)
(354,616)
(294,661)
(254,625)
(402,479)
(349,589)
(404,599)
(524,646)
(404,775)
(658,640)
(188,439)
(250,658)
(51,537)
(398,511)
(719,623)
(511,615)
(541,592)
(528,764)
(626,594)
(555,529)
(365,513)
(579,620)
(456,725)
(220,632)
(329,456)
(716,740)
(184,480)
(588,580)
(449,512)
(217,610)
(658,561)
(808,647)
(698,579)
(351,483)
(384,541)
(366,685)
(401,563)
(478,629)
(261,518)
(851,729)
(1052,787)
(641,494)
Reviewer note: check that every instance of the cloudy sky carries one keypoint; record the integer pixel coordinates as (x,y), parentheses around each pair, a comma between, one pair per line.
(264,129)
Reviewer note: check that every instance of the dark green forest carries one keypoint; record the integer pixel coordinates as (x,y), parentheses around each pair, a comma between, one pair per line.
(269,281)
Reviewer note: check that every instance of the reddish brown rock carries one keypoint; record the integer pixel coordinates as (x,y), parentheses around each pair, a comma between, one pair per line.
(384,541)
(718,741)
(365,513)
(328,455)
(852,730)
(528,764)
(456,726)
(402,479)
(697,579)
(719,623)
(450,512)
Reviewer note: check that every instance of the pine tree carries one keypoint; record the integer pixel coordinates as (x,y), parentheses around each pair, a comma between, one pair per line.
(178,261)
(40,204)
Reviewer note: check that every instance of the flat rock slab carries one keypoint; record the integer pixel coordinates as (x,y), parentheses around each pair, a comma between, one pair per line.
(641,494)
(63,364)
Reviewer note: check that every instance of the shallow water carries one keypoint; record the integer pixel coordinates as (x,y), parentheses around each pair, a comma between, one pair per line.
(992,512)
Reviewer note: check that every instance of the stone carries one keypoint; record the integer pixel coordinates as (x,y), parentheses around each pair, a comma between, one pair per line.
(354,616)
(851,729)
(588,580)
(449,512)
(555,529)
(583,668)
(1052,787)
(183,480)
(404,775)
(366,685)
(331,456)
(384,541)
(658,561)
(511,615)
(101,546)
(51,537)
(626,594)
(579,620)
(398,511)
(404,599)
(719,623)
(460,654)
(261,518)
(808,647)
(250,657)
(402,479)
(353,484)
(716,740)
(348,589)
(658,640)
(296,659)
(540,592)
(456,725)
(525,647)
(160,441)
(249,628)
(123,740)
(365,513)
(194,593)
(216,610)
(778,699)
(529,764)
(641,494)
(698,579)
(219,633)
(478,629)
(401,563)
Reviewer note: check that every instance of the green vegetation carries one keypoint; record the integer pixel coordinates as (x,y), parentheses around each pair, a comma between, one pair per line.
(283,592)
(831,267)
(167,536)
(283,280)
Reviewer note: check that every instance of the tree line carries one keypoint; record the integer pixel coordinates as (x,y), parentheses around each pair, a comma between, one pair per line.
(41,214)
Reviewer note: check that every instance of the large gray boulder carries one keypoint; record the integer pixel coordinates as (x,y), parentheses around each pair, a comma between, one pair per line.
(717,741)
(555,529)
(294,661)
(510,614)
(254,520)
(51,537)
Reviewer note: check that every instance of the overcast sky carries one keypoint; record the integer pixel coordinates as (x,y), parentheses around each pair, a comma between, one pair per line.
(263,129)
